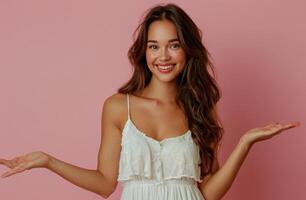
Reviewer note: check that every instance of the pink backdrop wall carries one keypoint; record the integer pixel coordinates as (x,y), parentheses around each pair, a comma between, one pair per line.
(59,60)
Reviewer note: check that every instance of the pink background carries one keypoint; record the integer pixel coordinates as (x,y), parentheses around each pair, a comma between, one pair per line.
(59,60)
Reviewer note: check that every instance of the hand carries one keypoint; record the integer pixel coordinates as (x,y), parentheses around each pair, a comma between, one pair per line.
(266,132)
(21,163)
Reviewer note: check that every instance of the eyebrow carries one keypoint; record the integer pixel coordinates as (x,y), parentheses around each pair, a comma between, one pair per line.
(155,41)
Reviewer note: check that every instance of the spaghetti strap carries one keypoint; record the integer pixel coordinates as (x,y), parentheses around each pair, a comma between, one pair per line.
(128,104)
(147,166)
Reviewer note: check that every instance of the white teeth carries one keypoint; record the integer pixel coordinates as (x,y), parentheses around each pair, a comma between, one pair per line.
(165,67)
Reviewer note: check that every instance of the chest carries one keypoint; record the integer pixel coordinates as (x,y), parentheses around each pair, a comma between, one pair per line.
(159,122)
(170,158)
(181,149)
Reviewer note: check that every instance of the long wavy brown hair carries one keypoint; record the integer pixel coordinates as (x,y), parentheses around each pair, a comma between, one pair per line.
(198,92)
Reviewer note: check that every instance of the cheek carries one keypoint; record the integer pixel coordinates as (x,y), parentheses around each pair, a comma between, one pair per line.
(180,56)
(149,57)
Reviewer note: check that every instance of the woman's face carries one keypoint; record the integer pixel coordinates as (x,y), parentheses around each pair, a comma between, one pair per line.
(164,54)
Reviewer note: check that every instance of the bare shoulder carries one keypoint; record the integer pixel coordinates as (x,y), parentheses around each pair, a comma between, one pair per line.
(115,109)
(115,101)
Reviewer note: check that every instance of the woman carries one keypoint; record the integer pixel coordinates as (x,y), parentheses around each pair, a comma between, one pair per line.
(160,132)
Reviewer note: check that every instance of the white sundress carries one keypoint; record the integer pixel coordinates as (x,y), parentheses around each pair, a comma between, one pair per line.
(158,170)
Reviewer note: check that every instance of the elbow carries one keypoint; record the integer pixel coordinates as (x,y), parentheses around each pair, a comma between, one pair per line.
(210,195)
(210,198)
(106,194)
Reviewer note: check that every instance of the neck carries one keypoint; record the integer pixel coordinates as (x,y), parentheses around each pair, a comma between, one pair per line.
(164,92)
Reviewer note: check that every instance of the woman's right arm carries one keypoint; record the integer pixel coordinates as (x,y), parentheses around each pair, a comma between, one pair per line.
(103,180)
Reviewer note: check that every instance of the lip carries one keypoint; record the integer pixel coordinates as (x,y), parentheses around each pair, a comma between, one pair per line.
(167,70)
(165,64)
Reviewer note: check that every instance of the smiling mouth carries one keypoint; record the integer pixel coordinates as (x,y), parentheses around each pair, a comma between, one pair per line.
(165,68)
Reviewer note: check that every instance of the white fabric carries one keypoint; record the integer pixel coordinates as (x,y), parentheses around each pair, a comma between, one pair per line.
(158,170)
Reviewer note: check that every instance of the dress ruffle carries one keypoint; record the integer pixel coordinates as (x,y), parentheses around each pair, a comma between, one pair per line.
(143,157)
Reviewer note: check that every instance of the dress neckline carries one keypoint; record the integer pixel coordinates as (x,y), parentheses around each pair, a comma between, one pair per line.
(185,134)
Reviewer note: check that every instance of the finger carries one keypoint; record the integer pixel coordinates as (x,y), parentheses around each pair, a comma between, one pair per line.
(275,129)
(277,125)
(7,174)
(296,123)
(14,162)
(280,128)
(271,125)
(2,161)
(291,125)
(16,170)
(6,163)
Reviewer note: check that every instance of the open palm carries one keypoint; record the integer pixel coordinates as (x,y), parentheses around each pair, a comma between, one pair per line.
(21,163)
(266,132)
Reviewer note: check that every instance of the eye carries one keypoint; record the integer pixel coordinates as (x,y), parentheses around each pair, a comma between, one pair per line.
(175,46)
(152,46)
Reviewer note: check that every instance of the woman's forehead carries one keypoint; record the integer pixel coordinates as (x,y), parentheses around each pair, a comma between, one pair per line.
(162,31)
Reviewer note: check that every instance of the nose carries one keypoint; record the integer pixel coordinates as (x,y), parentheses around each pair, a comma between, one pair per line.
(164,54)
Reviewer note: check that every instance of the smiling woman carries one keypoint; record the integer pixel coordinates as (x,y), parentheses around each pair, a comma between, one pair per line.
(164,53)
(160,132)
(168,57)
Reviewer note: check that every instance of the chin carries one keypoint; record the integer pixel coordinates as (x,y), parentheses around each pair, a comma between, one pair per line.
(166,79)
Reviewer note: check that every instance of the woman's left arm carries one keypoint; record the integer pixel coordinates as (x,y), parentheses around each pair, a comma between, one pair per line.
(218,183)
